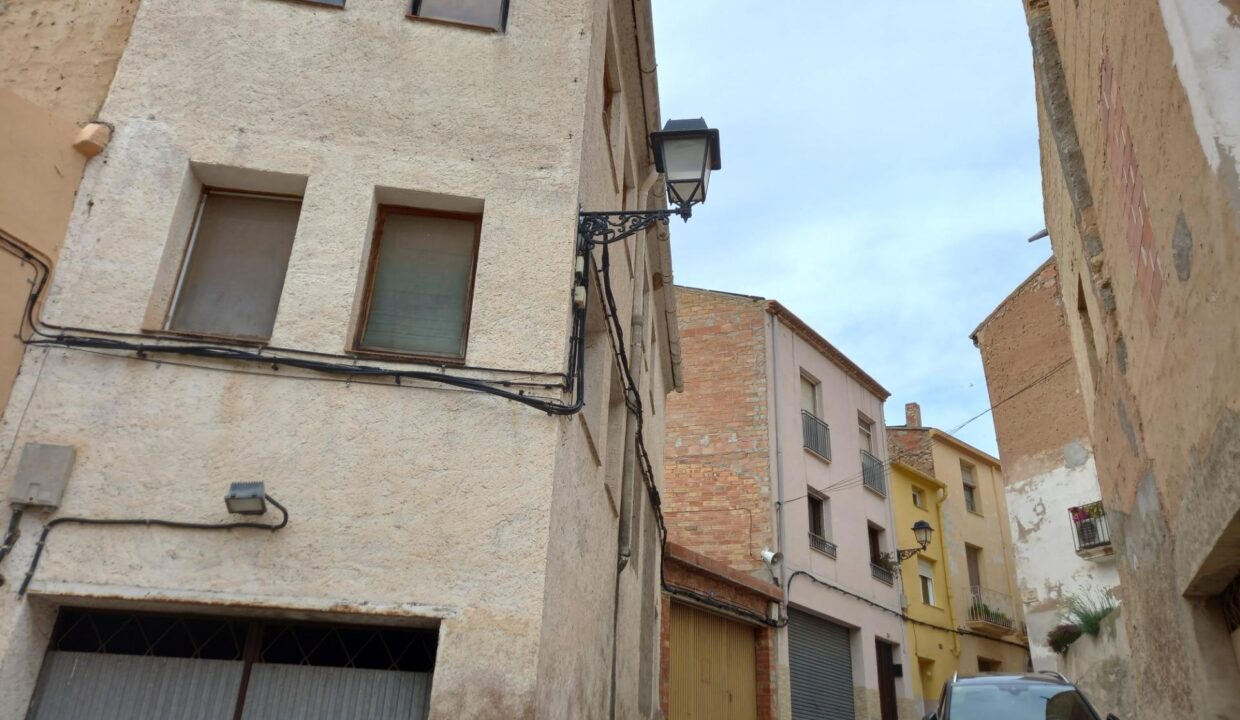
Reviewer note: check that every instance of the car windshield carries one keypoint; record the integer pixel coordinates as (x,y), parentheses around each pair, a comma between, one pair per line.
(1018,701)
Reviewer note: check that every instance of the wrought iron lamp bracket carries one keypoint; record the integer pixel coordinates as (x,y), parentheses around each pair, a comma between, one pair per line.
(902,555)
(604,228)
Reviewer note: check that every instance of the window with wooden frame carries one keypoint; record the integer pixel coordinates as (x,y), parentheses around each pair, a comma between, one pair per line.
(486,14)
(925,571)
(971,501)
(233,271)
(419,284)
(819,516)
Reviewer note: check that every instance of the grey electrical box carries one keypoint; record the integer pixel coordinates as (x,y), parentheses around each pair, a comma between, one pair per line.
(42,474)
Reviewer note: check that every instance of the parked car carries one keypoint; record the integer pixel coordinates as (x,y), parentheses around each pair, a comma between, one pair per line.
(1006,696)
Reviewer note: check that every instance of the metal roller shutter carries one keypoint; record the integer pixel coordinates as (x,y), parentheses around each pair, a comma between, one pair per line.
(820,657)
(89,685)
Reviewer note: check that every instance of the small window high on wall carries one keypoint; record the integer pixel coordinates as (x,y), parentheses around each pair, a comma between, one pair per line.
(491,14)
(419,285)
(234,266)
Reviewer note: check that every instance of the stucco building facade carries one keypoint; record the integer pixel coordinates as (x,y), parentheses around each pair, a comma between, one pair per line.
(1061,538)
(975,539)
(777,444)
(1139,116)
(445,502)
(57,59)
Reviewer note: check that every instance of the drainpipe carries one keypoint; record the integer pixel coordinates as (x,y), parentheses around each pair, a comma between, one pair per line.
(773,324)
(628,474)
(951,606)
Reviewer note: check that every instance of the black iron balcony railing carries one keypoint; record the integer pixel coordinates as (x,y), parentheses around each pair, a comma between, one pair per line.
(872,473)
(822,545)
(882,574)
(991,607)
(1090,530)
(817,435)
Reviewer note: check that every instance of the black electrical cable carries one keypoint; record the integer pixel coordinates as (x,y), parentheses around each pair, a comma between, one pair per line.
(10,537)
(902,615)
(573,380)
(720,604)
(47,529)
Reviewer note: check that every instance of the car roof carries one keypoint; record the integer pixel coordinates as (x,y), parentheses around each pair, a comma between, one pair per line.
(1011,678)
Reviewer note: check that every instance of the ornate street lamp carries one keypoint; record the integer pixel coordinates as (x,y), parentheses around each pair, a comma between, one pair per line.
(923,532)
(685,152)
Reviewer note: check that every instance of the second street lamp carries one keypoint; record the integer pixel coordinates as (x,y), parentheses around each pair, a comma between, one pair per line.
(923,532)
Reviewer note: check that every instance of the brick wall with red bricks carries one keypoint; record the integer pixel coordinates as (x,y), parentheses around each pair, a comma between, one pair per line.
(717,496)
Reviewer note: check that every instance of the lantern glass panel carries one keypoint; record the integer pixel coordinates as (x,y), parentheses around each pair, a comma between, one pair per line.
(686,161)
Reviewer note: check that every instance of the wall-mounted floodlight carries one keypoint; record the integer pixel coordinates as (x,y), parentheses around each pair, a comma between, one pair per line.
(246,498)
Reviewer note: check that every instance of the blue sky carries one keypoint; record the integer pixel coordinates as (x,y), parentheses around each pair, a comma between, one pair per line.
(880,176)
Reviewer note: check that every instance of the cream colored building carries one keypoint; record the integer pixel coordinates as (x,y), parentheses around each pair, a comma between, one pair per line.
(975,534)
(234,258)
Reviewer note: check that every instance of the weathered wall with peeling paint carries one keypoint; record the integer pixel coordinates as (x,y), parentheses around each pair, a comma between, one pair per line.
(1044,444)
(413,504)
(1101,666)
(1145,228)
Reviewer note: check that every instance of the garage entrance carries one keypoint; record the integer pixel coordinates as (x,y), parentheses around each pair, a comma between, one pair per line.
(820,659)
(153,667)
(712,667)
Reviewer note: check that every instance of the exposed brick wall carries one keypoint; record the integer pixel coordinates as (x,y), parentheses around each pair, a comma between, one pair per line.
(717,479)
(911,446)
(1025,341)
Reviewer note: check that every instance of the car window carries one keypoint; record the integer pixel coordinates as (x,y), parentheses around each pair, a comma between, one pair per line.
(1018,701)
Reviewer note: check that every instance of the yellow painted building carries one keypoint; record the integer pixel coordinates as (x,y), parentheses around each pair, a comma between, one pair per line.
(963,612)
(933,648)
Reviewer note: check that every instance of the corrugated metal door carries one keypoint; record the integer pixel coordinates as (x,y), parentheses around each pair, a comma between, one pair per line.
(712,675)
(279,692)
(77,685)
(820,660)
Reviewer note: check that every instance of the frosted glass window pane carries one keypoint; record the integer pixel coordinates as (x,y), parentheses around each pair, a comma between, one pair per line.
(487,13)
(236,265)
(423,272)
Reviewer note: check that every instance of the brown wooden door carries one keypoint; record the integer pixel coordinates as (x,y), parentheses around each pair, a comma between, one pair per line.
(712,674)
(886,680)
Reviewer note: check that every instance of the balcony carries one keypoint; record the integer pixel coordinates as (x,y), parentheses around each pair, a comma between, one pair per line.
(873,474)
(1090,530)
(990,613)
(882,573)
(816,434)
(822,545)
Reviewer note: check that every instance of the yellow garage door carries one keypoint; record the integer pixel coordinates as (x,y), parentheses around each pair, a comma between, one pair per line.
(712,667)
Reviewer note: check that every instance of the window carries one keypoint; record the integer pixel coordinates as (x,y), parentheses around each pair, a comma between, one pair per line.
(234,265)
(491,14)
(866,430)
(818,522)
(970,488)
(420,283)
(809,396)
(876,543)
(925,571)
(973,558)
(919,498)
